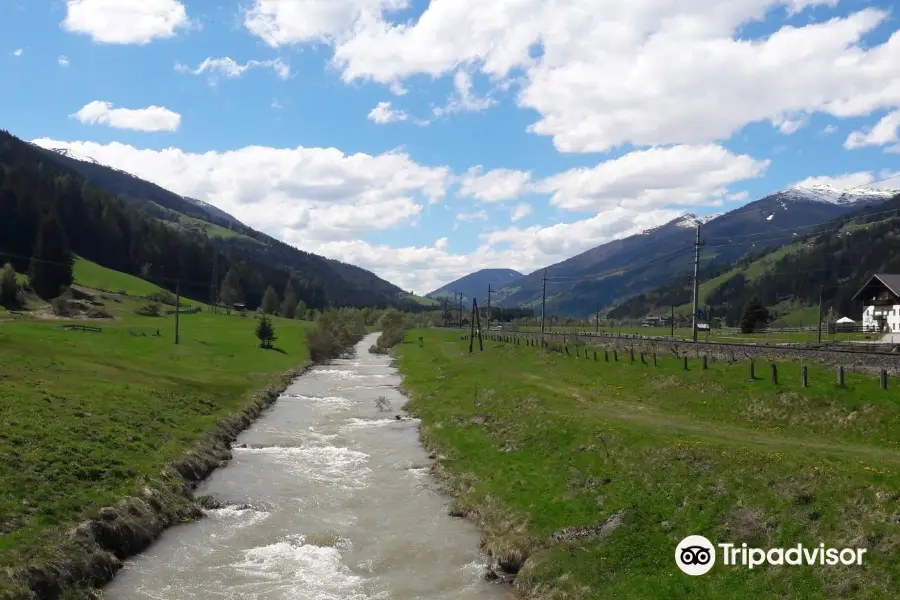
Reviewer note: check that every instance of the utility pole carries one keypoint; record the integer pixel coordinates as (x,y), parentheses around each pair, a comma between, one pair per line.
(697,245)
(672,321)
(597,320)
(177,310)
(489,308)
(460,310)
(821,291)
(543,304)
(472,326)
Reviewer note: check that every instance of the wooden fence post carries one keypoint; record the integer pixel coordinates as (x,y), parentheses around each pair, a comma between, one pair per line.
(685,365)
(595,356)
(752,370)
(605,355)
(705,363)
(882,380)
(840,376)
(774,374)
(654,358)
(631,354)
(615,355)
(804,376)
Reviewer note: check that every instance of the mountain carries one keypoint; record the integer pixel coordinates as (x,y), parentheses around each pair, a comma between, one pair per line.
(342,283)
(611,272)
(833,260)
(475,285)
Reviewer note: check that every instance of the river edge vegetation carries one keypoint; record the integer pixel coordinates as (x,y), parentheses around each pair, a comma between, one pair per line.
(106,424)
(585,475)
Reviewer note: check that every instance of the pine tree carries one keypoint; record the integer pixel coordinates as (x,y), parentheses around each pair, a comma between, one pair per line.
(231,292)
(270,301)
(289,304)
(51,266)
(755,316)
(265,331)
(9,288)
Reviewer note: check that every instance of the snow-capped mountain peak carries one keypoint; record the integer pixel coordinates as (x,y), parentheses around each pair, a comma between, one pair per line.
(74,155)
(827,193)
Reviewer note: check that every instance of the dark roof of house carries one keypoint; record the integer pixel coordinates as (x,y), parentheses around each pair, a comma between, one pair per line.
(890,280)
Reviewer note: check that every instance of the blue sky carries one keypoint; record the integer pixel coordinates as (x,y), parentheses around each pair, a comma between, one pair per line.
(517,133)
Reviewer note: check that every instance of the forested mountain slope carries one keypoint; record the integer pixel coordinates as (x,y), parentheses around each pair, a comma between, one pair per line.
(127,234)
(625,267)
(834,260)
(343,283)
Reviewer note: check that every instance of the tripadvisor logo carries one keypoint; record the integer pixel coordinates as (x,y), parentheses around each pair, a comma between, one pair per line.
(696,555)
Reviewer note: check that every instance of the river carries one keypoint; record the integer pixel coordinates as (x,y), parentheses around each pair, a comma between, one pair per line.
(331,499)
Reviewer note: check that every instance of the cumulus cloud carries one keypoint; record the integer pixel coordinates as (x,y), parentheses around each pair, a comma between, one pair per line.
(463,99)
(152,118)
(313,195)
(280,22)
(17,52)
(228,67)
(657,177)
(520,212)
(125,21)
(383,113)
(62,61)
(496,185)
(603,73)
(884,132)
(441,243)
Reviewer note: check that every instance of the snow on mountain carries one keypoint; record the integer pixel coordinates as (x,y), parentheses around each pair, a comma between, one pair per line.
(833,195)
(74,155)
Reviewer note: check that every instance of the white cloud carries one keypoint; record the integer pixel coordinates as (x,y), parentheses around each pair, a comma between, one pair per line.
(653,178)
(884,132)
(854,180)
(62,61)
(228,67)
(17,52)
(520,212)
(125,21)
(829,129)
(383,113)
(281,22)
(496,185)
(645,72)
(441,243)
(309,195)
(152,118)
(463,99)
(788,126)
(738,196)
(478,215)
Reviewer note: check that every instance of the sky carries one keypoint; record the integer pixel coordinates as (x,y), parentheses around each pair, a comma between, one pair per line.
(426,140)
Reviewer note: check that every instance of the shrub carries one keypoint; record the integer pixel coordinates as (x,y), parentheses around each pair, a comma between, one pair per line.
(393,325)
(98,313)
(151,309)
(376,349)
(335,332)
(62,306)
(10,292)
(163,297)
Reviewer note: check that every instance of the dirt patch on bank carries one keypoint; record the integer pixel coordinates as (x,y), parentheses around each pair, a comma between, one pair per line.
(92,552)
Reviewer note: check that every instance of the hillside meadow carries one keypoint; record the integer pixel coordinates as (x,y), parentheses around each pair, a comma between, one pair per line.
(585,475)
(86,417)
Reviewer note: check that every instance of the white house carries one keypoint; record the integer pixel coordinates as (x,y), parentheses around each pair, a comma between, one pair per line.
(881,298)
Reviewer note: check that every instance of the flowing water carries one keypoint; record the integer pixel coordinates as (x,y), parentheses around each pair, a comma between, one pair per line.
(332,500)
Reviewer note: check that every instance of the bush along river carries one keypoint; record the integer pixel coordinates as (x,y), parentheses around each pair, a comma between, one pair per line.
(328,497)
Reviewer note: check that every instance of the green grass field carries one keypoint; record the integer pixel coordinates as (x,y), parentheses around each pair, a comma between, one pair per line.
(86,417)
(535,444)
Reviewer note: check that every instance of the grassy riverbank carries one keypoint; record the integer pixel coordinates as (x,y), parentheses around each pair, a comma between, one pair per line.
(87,417)
(536,444)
